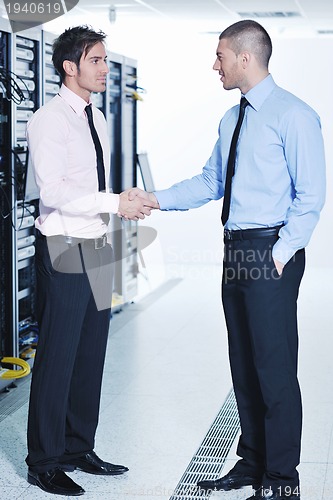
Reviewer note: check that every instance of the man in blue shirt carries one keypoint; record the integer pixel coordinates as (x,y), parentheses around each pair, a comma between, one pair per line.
(277,192)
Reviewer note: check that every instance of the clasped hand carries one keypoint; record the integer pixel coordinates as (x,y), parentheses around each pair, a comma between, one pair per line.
(136,204)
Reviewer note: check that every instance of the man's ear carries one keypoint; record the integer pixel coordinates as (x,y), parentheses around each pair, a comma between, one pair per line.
(70,68)
(245,58)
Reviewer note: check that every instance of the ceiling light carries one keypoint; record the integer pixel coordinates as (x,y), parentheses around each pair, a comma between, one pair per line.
(112,14)
(270,14)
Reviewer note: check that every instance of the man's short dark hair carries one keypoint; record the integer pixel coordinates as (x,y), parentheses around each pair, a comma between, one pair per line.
(71,44)
(249,35)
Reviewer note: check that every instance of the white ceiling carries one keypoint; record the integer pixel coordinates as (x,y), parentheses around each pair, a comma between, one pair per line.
(312,17)
(281,17)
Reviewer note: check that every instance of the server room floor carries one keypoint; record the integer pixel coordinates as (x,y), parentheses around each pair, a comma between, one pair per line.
(166,379)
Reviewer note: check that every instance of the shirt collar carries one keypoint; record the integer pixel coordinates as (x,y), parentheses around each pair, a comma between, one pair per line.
(76,102)
(258,94)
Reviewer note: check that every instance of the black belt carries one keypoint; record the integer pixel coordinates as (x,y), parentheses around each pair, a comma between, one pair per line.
(249,234)
(97,243)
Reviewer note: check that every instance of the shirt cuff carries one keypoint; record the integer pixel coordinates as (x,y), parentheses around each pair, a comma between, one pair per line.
(282,251)
(166,200)
(108,202)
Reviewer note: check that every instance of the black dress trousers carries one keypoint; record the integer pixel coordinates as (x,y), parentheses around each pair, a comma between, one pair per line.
(68,367)
(260,311)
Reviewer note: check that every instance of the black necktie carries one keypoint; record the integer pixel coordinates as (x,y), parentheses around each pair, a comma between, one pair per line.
(231,162)
(99,151)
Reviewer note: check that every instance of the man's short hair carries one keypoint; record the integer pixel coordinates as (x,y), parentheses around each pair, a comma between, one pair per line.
(249,35)
(72,43)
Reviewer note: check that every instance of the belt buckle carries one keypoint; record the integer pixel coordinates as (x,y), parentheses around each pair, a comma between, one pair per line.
(100,242)
(228,234)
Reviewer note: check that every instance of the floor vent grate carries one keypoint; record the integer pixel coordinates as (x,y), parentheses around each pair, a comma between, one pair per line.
(16,396)
(209,459)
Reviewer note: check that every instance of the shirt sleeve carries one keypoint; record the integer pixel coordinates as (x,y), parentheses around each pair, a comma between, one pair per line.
(305,157)
(47,140)
(200,189)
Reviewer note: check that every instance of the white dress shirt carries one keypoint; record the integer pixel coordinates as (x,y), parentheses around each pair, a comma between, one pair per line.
(64,160)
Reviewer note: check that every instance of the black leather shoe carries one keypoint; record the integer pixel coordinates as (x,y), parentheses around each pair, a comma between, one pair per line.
(92,464)
(269,494)
(55,481)
(231,481)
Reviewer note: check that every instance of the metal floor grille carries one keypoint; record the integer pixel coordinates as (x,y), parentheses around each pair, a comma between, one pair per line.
(209,459)
(16,397)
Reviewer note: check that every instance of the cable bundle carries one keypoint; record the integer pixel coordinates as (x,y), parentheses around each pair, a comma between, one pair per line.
(11,89)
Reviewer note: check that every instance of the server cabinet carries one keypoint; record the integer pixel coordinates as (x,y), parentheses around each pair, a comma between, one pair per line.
(19,98)
(129,170)
(26,66)
(6,232)
(118,104)
(122,121)
(51,79)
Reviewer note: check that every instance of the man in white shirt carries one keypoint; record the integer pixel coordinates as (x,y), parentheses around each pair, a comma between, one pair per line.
(73,266)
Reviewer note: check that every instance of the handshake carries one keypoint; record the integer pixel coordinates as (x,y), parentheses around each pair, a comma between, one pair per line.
(135,204)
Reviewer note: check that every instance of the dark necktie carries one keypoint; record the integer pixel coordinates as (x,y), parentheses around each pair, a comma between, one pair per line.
(98,148)
(231,162)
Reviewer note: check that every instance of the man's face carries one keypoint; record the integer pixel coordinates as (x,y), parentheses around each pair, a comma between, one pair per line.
(91,75)
(228,66)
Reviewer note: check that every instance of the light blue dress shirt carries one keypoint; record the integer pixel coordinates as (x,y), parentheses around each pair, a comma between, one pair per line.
(279,173)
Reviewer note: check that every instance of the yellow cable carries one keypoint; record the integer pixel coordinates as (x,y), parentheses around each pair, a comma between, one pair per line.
(134,94)
(9,374)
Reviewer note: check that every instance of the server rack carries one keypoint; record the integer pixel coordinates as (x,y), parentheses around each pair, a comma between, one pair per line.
(129,178)
(122,119)
(119,108)
(18,100)
(51,79)
(118,104)
(6,235)
(26,65)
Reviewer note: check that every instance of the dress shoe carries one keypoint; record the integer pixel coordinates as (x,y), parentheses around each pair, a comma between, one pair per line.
(55,481)
(269,494)
(92,464)
(231,481)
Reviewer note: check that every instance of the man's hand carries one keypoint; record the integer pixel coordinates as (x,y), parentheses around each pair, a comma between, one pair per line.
(149,198)
(135,204)
(279,266)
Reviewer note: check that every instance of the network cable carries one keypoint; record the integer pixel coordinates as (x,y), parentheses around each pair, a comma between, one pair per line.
(12,90)
(6,373)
